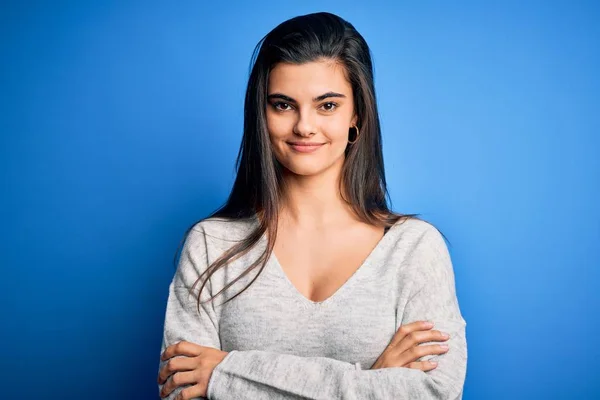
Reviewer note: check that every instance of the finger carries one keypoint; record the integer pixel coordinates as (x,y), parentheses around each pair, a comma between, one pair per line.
(408,328)
(423,365)
(182,348)
(417,337)
(178,379)
(416,352)
(191,392)
(176,364)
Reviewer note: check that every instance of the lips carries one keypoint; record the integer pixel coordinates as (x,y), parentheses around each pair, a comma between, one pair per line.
(305,147)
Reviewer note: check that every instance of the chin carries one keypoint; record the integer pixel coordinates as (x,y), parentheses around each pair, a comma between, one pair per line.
(304,170)
(308,168)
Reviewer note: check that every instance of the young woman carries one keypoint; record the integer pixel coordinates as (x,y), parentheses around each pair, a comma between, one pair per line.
(328,291)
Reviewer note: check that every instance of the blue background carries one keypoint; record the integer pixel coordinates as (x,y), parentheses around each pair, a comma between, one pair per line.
(120,123)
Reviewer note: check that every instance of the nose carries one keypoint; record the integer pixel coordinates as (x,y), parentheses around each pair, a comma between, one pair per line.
(305,126)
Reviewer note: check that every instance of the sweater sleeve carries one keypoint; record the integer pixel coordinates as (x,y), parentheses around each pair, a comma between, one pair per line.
(182,321)
(258,374)
(265,375)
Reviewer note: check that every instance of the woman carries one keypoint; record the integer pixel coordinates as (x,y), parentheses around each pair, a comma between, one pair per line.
(339,304)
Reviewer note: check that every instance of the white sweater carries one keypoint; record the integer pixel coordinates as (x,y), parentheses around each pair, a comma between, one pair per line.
(284,346)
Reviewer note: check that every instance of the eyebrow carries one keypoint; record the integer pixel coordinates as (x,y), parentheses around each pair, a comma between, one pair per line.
(318,98)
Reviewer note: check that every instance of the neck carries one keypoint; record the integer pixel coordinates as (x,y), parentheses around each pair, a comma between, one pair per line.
(314,202)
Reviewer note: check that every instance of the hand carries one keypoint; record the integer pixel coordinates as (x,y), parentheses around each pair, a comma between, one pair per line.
(404,351)
(194,369)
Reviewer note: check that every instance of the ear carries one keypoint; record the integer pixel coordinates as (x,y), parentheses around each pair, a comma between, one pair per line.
(354,120)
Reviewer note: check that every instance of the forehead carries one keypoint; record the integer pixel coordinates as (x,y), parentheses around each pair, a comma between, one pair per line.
(309,79)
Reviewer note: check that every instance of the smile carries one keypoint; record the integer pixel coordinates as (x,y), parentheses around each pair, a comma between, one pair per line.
(305,148)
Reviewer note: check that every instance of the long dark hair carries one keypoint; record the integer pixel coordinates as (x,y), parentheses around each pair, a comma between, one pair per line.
(259,185)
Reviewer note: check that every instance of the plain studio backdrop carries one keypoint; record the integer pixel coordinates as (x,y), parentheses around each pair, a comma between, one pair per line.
(120,122)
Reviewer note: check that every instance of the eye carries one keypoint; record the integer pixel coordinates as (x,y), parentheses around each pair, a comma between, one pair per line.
(279,103)
(333,106)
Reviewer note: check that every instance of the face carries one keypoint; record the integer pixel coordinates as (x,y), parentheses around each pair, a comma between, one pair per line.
(310,109)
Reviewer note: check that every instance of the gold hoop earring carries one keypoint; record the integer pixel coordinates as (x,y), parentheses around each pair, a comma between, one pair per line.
(357,134)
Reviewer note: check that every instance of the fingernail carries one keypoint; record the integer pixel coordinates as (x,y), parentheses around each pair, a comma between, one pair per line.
(445,335)
(433,363)
(444,346)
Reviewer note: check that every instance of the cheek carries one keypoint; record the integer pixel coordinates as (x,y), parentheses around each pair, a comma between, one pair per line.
(336,130)
(277,127)
(278,133)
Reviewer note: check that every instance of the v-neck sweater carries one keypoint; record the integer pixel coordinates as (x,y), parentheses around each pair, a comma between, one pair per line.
(282,345)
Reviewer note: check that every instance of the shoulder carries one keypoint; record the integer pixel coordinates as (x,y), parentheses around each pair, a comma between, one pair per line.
(419,232)
(207,238)
(424,250)
(222,229)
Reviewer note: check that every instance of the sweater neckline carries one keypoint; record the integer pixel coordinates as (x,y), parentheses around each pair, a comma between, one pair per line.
(346,286)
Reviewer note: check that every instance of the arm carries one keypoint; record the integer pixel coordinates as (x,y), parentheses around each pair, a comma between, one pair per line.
(182,320)
(262,375)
